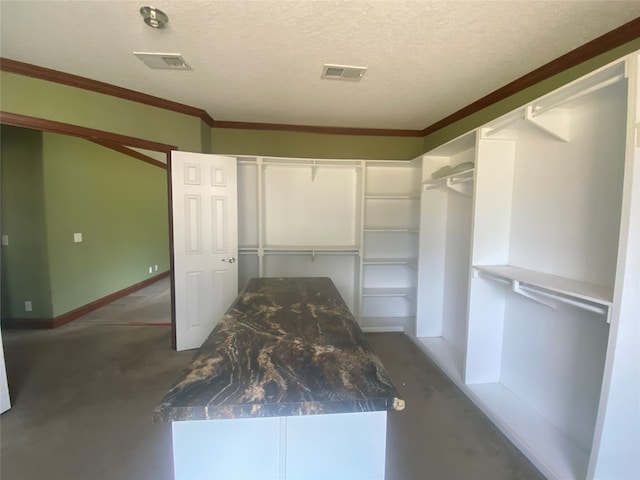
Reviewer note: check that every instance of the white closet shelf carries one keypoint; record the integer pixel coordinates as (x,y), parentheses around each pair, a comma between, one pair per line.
(530,431)
(573,94)
(413,196)
(526,428)
(389,292)
(465,175)
(391,230)
(314,164)
(445,354)
(552,113)
(281,162)
(386,324)
(313,249)
(460,182)
(411,262)
(534,284)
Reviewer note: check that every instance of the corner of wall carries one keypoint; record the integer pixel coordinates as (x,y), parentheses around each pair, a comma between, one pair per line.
(25,260)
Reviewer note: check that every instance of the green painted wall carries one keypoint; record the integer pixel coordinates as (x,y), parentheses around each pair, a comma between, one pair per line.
(54,186)
(25,268)
(511,103)
(314,145)
(53,101)
(120,206)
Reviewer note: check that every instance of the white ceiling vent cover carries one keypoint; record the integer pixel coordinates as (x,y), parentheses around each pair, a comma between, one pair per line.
(343,72)
(163,61)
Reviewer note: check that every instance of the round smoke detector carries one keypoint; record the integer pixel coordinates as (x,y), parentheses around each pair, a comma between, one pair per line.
(154,17)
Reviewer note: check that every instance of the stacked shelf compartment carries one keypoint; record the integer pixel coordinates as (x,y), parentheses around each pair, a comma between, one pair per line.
(538,324)
(445,246)
(248,220)
(546,225)
(389,261)
(301,217)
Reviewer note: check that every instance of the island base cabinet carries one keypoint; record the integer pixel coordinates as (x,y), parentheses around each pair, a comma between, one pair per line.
(349,446)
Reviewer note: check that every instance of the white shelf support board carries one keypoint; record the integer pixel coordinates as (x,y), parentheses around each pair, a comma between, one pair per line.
(521,289)
(543,106)
(556,122)
(547,447)
(542,287)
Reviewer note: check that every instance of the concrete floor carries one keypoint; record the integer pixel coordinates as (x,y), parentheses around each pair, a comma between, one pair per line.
(83,394)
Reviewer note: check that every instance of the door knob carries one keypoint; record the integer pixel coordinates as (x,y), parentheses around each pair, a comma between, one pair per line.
(230,259)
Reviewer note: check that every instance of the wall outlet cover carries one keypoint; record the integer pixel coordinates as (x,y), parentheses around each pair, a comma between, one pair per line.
(77,237)
(5,240)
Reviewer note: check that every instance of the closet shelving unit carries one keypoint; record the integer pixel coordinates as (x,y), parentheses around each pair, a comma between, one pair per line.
(445,246)
(458,182)
(391,204)
(356,221)
(300,217)
(527,292)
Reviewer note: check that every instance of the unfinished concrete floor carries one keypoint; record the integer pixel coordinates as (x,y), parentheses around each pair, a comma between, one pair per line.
(83,394)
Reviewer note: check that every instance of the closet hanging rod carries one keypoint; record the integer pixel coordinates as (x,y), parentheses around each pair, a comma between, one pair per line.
(602,310)
(453,180)
(521,288)
(507,122)
(538,109)
(312,253)
(310,164)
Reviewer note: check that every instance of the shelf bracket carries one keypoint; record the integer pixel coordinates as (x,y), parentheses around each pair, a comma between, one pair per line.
(313,170)
(550,299)
(494,278)
(456,186)
(535,296)
(556,123)
(584,305)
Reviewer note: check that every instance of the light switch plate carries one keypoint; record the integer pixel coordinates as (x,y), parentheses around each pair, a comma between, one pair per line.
(77,237)
(5,240)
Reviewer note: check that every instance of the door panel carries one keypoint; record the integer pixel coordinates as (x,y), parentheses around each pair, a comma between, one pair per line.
(205,243)
(5,402)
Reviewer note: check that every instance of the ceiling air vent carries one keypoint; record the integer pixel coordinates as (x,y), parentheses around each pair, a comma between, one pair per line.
(343,72)
(163,61)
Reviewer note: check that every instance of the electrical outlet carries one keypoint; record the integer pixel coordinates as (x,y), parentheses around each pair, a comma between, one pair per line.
(27,306)
(150,269)
(5,240)
(77,237)
(155,268)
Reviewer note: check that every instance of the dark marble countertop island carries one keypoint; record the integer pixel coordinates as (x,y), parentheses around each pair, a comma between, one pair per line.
(286,346)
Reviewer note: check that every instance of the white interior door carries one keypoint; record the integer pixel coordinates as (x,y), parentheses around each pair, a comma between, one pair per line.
(5,403)
(205,242)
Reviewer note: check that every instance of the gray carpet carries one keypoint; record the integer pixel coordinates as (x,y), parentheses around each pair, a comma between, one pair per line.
(83,394)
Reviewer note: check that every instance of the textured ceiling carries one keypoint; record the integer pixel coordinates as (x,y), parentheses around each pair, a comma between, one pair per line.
(260,61)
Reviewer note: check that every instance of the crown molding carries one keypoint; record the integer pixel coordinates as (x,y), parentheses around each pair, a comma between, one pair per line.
(382,132)
(615,38)
(25,121)
(130,152)
(50,75)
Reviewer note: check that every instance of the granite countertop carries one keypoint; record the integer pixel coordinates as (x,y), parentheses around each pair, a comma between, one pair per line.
(286,346)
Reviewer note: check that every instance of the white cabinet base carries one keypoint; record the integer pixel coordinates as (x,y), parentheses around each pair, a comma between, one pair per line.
(349,446)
